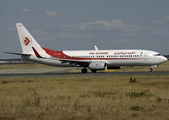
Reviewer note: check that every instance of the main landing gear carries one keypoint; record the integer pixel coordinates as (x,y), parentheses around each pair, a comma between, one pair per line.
(150,69)
(93,71)
(84,70)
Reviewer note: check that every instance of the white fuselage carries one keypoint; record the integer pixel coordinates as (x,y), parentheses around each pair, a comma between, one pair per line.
(110,57)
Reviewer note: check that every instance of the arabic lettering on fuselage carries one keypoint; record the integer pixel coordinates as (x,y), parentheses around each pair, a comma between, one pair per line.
(123,53)
(116,53)
(98,52)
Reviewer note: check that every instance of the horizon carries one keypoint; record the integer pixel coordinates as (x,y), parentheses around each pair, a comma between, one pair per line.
(79,25)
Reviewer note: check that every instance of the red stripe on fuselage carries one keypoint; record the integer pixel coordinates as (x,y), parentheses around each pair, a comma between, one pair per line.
(54,53)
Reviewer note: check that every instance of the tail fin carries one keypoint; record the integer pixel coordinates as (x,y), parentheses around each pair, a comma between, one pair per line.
(28,43)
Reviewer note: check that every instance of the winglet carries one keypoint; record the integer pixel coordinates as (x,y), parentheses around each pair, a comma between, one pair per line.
(96,47)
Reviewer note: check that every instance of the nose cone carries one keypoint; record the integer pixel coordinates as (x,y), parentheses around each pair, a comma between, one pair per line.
(163,59)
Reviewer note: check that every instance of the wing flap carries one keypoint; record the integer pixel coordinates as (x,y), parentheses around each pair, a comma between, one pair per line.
(76,62)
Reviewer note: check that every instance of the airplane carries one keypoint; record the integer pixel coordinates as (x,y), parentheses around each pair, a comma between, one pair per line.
(92,59)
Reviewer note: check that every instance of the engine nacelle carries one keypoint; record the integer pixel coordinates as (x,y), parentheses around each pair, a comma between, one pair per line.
(97,66)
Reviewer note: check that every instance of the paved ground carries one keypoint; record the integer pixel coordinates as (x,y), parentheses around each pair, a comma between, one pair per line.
(61,71)
(34,70)
(65,74)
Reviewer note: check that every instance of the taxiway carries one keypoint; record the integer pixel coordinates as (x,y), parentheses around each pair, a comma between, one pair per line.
(64,74)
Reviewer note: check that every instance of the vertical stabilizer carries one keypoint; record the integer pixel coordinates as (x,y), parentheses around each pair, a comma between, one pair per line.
(28,42)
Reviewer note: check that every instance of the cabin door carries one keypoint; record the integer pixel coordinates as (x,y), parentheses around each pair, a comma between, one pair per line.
(145,56)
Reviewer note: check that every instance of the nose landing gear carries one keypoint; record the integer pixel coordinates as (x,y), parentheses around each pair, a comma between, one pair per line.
(150,69)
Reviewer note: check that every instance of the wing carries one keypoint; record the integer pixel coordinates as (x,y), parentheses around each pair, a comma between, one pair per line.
(80,63)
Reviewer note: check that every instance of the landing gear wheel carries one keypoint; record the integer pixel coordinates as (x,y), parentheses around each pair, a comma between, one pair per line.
(94,71)
(84,70)
(150,69)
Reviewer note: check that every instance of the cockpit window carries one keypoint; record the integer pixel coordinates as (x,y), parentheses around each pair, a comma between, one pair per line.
(156,54)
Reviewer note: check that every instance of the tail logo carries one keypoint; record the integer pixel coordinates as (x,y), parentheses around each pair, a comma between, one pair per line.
(27,41)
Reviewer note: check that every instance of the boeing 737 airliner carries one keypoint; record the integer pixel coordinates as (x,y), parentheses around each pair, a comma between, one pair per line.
(92,59)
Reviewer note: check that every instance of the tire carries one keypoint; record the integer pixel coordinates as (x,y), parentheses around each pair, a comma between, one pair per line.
(84,70)
(94,71)
(150,69)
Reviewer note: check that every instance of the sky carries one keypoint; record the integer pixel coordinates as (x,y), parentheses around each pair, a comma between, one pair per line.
(81,24)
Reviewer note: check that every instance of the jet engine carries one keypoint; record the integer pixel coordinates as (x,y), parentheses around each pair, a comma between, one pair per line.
(97,66)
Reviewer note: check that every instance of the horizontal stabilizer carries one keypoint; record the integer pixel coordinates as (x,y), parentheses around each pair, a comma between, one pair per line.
(18,53)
